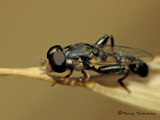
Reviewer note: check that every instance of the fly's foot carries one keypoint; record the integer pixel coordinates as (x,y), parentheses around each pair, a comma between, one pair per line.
(63,78)
(54,83)
(68,75)
(86,76)
(122,84)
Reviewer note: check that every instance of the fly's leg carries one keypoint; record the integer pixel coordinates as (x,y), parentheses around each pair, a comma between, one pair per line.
(103,41)
(114,69)
(121,83)
(86,77)
(66,76)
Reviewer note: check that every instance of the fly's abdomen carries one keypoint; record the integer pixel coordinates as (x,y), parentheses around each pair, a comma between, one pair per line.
(140,68)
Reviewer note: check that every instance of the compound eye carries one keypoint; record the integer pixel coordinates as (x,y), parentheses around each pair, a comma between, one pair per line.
(57,60)
(54,49)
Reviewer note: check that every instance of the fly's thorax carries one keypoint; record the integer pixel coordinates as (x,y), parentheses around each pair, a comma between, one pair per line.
(76,64)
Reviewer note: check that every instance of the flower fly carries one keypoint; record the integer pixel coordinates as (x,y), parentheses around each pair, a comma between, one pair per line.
(99,57)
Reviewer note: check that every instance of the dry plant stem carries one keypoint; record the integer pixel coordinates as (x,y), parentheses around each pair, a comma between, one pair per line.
(37,73)
(144,95)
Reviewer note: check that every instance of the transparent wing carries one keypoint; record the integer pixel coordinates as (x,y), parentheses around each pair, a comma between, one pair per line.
(128,51)
(129,55)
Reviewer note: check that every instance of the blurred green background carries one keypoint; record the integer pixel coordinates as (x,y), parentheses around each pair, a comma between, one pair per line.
(28,28)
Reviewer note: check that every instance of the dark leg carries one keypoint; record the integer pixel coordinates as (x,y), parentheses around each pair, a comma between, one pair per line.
(86,77)
(67,76)
(114,69)
(103,41)
(121,83)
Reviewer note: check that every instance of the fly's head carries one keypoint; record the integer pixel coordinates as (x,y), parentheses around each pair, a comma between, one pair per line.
(57,59)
